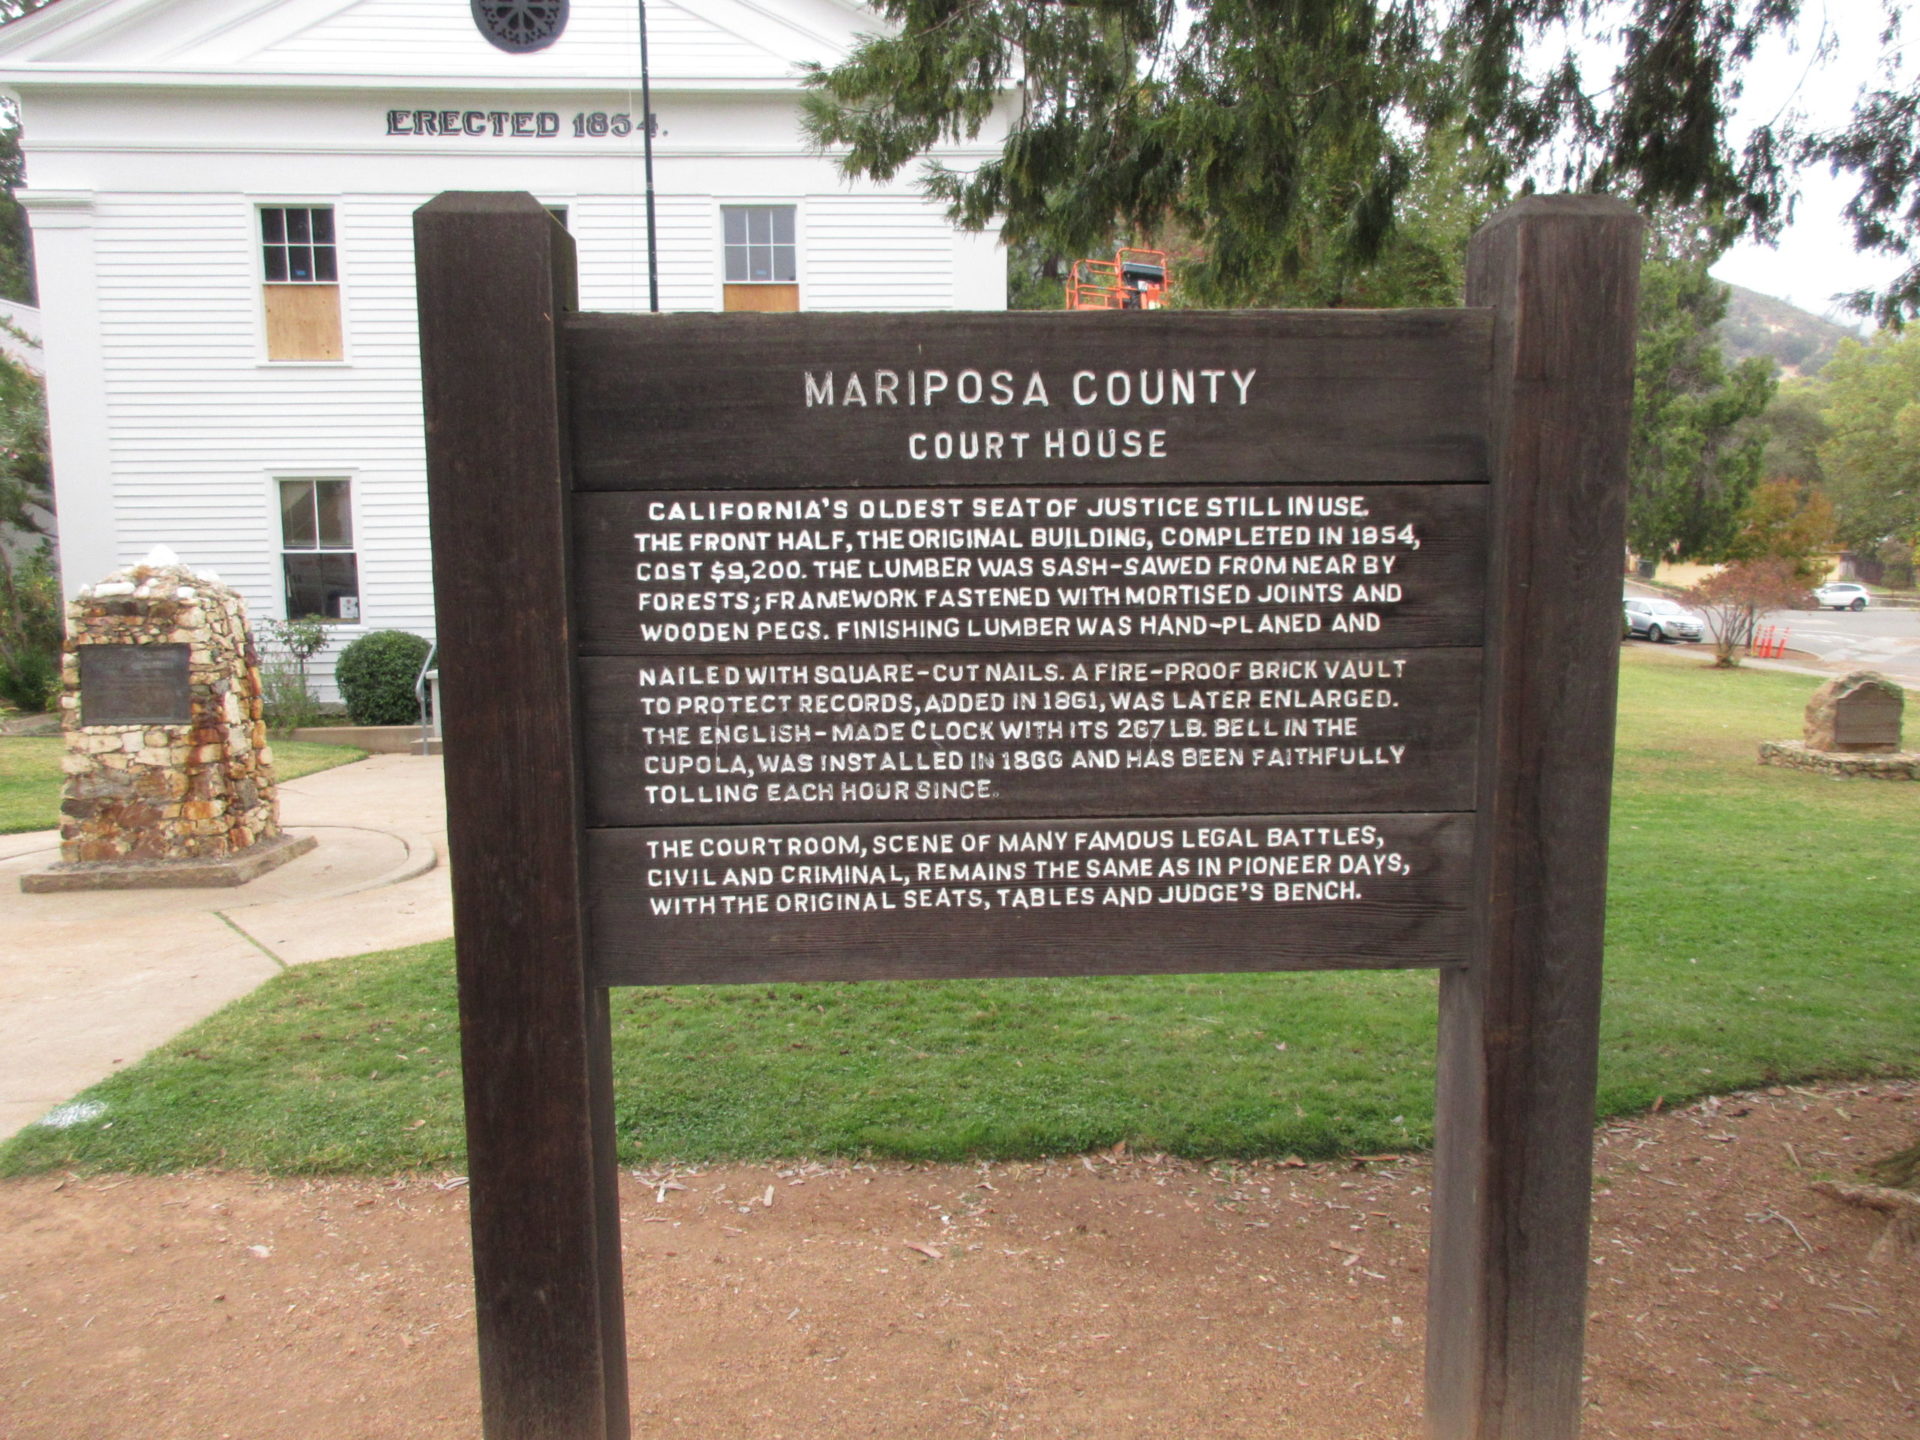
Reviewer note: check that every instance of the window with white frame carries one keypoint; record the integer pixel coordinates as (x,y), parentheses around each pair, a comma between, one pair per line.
(297,244)
(759,244)
(316,549)
(300,272)
(760,261)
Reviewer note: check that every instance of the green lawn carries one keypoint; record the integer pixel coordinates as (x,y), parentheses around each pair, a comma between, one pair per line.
(1761,929)
(30,775)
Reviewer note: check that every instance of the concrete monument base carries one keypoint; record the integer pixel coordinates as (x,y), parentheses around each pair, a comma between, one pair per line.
(235,869)
(1842,764)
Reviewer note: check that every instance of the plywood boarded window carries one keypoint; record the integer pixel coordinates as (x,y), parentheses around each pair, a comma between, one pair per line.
(762,259)
(301,269)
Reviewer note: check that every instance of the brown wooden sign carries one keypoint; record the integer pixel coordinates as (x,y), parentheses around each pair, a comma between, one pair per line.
(815,647)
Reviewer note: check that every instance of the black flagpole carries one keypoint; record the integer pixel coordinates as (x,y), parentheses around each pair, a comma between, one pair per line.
(646,138)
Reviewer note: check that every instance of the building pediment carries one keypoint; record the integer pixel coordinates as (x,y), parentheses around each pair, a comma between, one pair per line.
(701,42)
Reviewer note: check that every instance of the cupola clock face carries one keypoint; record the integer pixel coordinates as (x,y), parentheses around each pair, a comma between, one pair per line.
(520,24)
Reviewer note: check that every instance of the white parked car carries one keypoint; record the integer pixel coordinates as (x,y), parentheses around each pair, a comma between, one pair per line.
(1842,595)
(1658,619)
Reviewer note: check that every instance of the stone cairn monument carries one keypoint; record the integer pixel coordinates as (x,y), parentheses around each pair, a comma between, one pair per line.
(1853,728)
(169,777)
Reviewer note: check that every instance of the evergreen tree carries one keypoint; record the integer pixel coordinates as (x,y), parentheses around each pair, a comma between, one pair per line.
(16,240)
(1286,135)
(1796,430)
(1880,148)
(1696,449)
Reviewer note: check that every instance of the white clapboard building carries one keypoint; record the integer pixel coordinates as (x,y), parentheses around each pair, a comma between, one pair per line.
(221,195)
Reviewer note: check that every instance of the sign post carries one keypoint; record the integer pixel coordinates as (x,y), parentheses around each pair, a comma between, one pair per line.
(838,647)
(1520,1025)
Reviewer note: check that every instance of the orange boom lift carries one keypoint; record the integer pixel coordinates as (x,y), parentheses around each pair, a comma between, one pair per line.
(1132,280)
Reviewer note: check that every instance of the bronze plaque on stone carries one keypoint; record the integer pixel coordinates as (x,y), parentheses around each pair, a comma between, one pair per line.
(134,685)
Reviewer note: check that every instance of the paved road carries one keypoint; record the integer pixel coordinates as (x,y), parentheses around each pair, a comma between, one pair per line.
(1882,638)
(1887,640)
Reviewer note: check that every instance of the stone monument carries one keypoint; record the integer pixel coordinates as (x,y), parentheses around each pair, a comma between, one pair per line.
(169,775)
(1853,728)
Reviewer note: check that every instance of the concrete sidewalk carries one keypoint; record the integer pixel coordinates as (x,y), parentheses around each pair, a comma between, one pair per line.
(92,980)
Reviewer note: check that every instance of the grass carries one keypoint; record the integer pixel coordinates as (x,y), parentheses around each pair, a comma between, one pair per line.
(1760,930)
(30,775)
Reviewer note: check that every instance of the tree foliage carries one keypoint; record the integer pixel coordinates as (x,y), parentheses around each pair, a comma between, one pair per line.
(1880,148)
(30,626)
(30,629)
(1785,521)
(1871,455)
(1283,135)
(1696,451)
(16,240)
(26,468)
(1796,429)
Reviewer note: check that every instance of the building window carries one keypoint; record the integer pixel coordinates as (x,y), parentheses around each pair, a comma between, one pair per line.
(300,268)
(761,260)
(316,549)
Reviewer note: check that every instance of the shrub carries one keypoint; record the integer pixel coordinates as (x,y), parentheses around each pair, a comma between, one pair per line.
(376,674)
(284,647)
(30,631)
(1732,599)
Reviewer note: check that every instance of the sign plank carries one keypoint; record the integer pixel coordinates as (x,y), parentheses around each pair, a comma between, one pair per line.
(783,740)
(716,905)
(1271,397)
(980,568)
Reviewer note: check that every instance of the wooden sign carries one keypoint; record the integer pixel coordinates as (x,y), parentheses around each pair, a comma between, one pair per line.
(812,647)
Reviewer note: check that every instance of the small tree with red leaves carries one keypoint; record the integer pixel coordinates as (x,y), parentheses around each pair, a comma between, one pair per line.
(1732,600)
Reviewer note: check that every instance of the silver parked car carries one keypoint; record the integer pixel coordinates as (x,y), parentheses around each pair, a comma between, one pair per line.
(1658,619)
(1842,595)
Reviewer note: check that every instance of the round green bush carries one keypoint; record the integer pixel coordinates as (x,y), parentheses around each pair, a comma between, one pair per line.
(376,674)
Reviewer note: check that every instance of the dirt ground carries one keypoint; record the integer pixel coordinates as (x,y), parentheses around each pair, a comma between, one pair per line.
(1104,1296)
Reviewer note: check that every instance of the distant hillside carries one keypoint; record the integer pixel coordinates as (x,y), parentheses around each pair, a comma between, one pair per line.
(1799,342)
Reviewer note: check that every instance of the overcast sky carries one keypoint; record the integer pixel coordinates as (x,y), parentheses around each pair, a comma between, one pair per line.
(1815,258)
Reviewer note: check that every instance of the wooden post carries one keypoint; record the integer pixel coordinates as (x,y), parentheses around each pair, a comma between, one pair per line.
(1519,1025)
(495,274)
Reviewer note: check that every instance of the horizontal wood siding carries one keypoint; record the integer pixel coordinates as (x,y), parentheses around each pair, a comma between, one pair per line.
(199,424)
(610,232)
(601,38)
(875,252)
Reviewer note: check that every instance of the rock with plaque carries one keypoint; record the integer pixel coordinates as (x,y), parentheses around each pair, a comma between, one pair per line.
(1856,714)
(169,778)
(873,646)
(1852,731)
